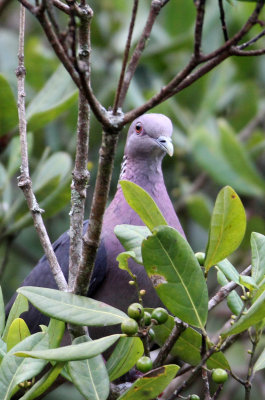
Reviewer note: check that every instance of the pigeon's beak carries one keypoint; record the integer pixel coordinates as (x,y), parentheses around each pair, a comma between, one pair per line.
(165,143)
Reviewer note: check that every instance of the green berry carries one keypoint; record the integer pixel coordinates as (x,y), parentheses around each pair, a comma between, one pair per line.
(160,315)
(219,375)
(147,318)
(194,397)
(136,311)
(129,326)
(200,257)
(144,364)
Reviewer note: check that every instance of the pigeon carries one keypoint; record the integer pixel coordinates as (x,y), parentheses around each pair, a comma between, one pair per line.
(148,141)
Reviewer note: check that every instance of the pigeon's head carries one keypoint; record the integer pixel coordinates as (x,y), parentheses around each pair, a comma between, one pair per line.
(149,136)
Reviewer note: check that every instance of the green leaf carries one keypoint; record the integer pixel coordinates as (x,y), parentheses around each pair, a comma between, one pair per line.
(234,301)
(238,158)
(258,256)
(253,315)
(79,310)
(228,225)
(123,261)
(43,384)
(17,332)
(248,282)
(143,204)
(19,306)
(90,376)
(127,351)
(188,346)
(176,275)
(8,107)
(74,352)
(2,313)
(131,238)
(228,270)
(56,96)
(14,370)
(55,332)
(151,384)
(260,363)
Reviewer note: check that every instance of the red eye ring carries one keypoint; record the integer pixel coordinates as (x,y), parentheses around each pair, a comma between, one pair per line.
(138,128)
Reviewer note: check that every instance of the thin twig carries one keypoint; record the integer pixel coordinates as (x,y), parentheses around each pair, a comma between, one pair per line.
(61,6)
(225,290)
(251,41)
(126,55)
(24,181)
(204,372)
(222,18)
(252,125)
(155,9)
(179,327)
(200,4)
(250,373)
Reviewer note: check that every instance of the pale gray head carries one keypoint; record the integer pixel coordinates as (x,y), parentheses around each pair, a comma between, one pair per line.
(149,136)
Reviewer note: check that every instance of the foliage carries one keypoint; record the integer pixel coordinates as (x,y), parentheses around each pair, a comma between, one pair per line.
(219,140)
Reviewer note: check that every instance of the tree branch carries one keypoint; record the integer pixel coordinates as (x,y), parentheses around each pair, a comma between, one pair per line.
(225,290)
(24,181)
(222,18)
(155,9)
(126,55)
(200,4)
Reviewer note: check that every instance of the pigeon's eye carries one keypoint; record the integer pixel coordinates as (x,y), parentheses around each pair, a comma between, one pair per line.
(139,128)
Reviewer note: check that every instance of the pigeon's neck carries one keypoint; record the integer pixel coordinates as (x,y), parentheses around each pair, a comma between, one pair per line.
(142,171)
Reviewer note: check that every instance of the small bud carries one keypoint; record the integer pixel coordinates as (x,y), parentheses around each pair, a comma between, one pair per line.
(232,322)
(250,352)
(233,316)
(142,292)
(243,297)
(131,283)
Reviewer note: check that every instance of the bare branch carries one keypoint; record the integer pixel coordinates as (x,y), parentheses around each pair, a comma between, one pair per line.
(61,6)
(222,18)
(101,192)
(155,9)
(24,181)
(179,327)
(200,4)
(251,41)
(126,55)
(225,290)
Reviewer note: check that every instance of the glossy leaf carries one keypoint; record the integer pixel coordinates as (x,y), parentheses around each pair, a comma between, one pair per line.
(151,384)
(258,256)
(43,384)
(228,270)
(131,238)
(228,225)
(55,332)
(56,96)
(19,306)
(14,370)
(143,204)
(17,332)
(248,282)
(90,376)
(8,107)
(234,301)
(176,275)
(79,310)
(74,352)
(123,261)
(188,346)
(127,351)
(254,315)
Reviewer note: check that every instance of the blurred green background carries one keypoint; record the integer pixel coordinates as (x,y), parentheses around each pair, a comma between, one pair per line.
(212,148)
